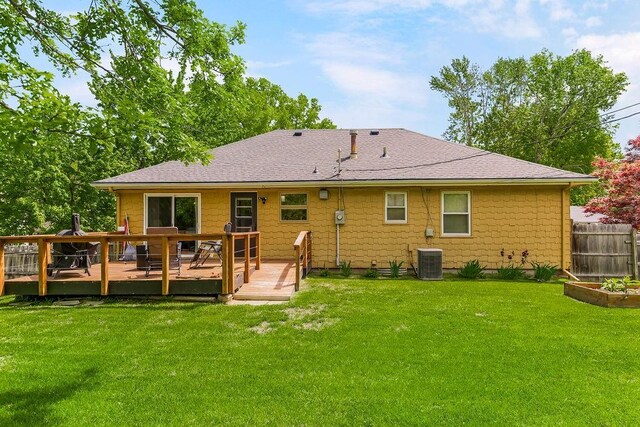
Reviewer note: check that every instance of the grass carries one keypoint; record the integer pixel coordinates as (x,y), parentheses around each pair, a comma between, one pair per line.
(344,352)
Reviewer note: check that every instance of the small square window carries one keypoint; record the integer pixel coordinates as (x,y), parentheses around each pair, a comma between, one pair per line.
(293,207)
(395,208)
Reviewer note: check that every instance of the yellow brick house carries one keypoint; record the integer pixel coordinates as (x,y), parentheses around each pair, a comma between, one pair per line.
(368,196)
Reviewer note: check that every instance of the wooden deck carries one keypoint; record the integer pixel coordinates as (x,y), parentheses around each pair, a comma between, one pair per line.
(275,281)
(239,274)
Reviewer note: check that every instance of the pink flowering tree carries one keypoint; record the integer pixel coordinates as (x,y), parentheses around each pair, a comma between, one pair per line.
(621,181)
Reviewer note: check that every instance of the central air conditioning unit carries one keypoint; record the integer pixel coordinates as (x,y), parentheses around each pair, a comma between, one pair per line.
(430,264)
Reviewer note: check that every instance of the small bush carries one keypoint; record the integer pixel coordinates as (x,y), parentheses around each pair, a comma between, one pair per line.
(345,268)
(371,273)
(472,270)
(324,272)
(394,268)
(543,272)
(616,285)
(511,272)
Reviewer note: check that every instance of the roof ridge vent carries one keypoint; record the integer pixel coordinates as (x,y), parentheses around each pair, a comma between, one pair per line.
(374,132)
(297,133)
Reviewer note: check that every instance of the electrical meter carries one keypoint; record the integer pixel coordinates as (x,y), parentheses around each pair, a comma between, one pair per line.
(339,217)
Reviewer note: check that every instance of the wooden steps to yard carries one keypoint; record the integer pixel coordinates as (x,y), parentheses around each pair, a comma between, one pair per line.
(275,281)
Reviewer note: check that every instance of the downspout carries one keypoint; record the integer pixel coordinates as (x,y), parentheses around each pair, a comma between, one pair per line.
(339,199)
(338,230)
(337,245)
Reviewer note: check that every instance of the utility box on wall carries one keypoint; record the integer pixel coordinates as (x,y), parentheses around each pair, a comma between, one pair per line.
(430,264)
(340,217)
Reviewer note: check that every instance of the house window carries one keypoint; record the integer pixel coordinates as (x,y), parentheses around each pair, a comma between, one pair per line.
(174,210)
(456,213)
(293,207)
(395,208)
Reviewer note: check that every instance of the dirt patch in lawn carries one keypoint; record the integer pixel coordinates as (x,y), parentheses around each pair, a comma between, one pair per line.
(262,328)
(309,318)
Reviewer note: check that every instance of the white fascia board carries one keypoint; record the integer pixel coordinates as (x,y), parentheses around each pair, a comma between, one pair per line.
(320,184)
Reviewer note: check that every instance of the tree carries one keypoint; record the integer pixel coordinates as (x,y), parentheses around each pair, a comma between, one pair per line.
(167,85)
(621,181)
(546,109)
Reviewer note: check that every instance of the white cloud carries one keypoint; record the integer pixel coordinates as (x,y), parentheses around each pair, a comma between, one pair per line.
(513,20)
(517,23)
(622,53)
(593,21)
(359,7)
(376,89)
(350,47)
(362,80)
(558,11)
(259,65)
(569,34)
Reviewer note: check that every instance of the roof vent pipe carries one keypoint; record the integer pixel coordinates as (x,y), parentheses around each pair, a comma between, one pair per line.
(354,144)
(384,153)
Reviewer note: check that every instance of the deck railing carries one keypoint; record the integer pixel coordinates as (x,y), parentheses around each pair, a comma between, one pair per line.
(44,242)
(303,246)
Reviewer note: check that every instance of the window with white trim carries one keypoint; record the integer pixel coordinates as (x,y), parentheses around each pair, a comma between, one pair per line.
(395,207)
(456,213)
(293,207)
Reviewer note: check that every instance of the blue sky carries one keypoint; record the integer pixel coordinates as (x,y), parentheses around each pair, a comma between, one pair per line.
(369,61)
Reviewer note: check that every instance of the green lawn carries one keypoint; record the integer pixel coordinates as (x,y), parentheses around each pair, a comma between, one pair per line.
(342,352)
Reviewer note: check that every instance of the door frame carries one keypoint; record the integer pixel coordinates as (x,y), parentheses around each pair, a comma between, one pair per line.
(254,199)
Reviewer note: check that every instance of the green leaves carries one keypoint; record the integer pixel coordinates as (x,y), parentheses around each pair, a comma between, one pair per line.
(546,109)
(167,85)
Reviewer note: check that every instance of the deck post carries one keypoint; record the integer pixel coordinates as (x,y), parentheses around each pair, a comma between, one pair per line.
(43,258)
(104,266)
(247,257)
(258,250)
(1,268)
(224,266)
(165,265)
(297,268)
(231,264)
(309,252)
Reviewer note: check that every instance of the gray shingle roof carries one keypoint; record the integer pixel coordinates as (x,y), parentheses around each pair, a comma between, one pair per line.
(279,156)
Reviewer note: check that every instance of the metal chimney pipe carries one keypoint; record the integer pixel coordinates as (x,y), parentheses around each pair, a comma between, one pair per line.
(354,144)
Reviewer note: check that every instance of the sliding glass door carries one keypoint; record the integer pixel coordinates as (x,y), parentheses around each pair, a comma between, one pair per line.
(174,210)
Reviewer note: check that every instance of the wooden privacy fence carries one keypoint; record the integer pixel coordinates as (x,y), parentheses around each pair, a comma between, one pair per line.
(44,242)
(601,251)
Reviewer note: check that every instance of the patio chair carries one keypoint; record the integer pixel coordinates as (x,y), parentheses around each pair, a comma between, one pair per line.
(153,252)
(204,251)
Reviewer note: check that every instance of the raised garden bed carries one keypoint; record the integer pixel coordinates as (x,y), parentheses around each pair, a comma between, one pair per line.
(592,294)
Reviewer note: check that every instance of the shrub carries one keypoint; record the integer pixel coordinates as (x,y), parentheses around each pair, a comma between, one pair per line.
(472,270)
(371,273)
(511,272)
(616,285)
(394,268)
(345,268)
(543,272)
(324,272)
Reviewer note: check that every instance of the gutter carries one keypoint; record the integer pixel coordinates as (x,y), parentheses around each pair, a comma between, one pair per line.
(112,186)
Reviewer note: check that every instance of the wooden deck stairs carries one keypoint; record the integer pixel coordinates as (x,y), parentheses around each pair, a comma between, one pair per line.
(275,281)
